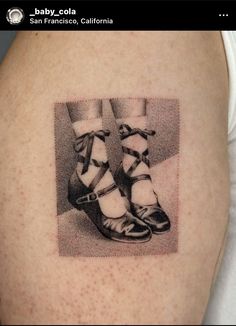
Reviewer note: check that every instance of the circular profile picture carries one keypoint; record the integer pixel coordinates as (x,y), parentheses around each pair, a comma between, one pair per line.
(15,15)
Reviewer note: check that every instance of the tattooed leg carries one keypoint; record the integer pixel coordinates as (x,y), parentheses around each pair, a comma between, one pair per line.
(92,187)
(86,117)
(133,175)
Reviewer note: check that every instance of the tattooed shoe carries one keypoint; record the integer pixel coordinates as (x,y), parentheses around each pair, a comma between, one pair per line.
(153,215)
(125,228)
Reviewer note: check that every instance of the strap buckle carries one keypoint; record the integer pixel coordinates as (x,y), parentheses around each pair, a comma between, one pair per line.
(92,196)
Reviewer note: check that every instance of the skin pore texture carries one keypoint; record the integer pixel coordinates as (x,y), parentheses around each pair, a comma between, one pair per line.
(38,286)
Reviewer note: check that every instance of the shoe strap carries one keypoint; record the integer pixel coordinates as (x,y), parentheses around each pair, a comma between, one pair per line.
(126,131)
(85,142)
(98,177)
(93,196)
(104,166)
(140,178)
(96,163)
(140,157)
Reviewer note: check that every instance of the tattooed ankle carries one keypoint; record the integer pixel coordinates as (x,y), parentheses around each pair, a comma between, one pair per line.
(125,186)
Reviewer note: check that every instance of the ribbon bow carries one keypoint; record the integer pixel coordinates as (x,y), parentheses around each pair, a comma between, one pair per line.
(86,141)
(126,131)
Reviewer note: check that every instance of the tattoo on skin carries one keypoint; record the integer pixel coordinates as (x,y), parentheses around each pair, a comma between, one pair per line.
(117,163)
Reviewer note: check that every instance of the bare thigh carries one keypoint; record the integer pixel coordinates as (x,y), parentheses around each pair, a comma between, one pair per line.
(37,284)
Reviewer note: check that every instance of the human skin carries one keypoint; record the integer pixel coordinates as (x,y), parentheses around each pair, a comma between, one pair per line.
(38,286)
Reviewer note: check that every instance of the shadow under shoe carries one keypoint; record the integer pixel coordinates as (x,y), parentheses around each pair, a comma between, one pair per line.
(126,228)
(153,215)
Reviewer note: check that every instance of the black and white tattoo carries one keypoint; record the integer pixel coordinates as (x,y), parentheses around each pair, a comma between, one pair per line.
(117,176)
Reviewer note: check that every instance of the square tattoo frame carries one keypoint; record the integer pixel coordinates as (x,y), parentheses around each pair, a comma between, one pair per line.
(77,235)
